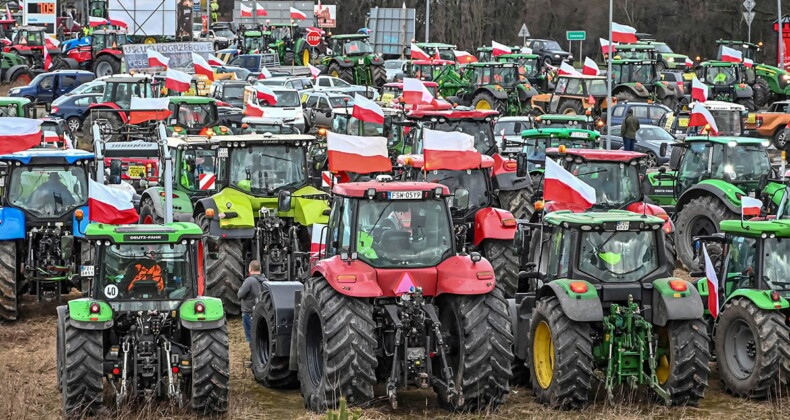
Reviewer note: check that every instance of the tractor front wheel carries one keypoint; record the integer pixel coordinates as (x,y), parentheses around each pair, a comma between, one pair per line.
(500,254)
(9,304)
(269,370)
(561,356)
(82,387)
(210,370)
(336,344)
(224,275)
(701,216)
(683,353)
(752,349)
(485,100)
(748,103)
(517,202)
(379,75)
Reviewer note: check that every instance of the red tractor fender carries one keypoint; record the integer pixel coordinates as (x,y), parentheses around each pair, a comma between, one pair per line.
(359,279)
(81,54)
(653,210)
(503,165)
(111,52)
(459,275)
(110,105)
(491,223)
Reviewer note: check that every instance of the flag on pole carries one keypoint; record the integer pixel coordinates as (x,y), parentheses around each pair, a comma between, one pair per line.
(357,154)
(699,90)
(252,110)
(156,59)
(701,117)
(463,57)
(713,285)
(568,70)
(265,93)
(148,109)
(246,11)
(110,205)
(367,110)
(415,93)
(731,55)
(315,71)
(178,80)
(261,11)
(18,134)
(750,206)
(623,33)
(449,150)
(418,54)
(264,74)
(499,49)
(590,68)
(606,46)
(215,61)
(561,186)
(202,66)
(297,14)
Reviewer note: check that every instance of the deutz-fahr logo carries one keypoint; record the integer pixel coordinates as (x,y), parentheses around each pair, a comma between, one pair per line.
(146,237)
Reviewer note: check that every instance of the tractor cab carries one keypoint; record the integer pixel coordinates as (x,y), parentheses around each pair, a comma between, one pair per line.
(195,115)
(636,52)
(726,82)
(427,70)
(392,93)
(574,95)
(253,42)
(344,123)
(730,120)
(446,51)
(29,36)
(531,149)
(119,90)
(747,49)
(16,107)
(353,45)
(478,123)
(529,65)
(108,39)
(638,80)
(281,32)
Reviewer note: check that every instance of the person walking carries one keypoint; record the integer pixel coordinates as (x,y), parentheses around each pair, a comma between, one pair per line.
(630,127)
(248,293)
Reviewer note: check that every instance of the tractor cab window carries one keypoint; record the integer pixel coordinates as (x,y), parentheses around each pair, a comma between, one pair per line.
(363,128)
(265,170)
(506,76)
(280,33)
(722,76)
(641,73)
(558,264)
(472,180)
(741,262)
(634,54)
(596,87)
(562,83)
(145,272)
(575,87)
(663,48)
(253,43)
(357,48)
(618,256)
(480,130)
(48,191)
(512,128)
(776,255)
(693,166)
(195,115)
(528,67)
(31,38)
(616,183)
(99,41)
(399,233)
(741,164)
(121,93)
(198,170)
(9,110)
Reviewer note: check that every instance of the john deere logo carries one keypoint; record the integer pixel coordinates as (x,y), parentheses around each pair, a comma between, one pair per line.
(146,238)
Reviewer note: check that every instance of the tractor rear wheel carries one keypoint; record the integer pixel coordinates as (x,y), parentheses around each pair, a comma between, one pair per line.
(379,75)
(571,107)
(269,370)
(110,125)
(479,338)
(485,100)
(517,202)
(752,346)
(701,216)
(148,214)
(225,275)
(83,390)
(9,301)
(106,65)
(561,357)
(289,58)
(748,103)
(500,254)
(683,353)
(210,370)
(336,344)
(762,92)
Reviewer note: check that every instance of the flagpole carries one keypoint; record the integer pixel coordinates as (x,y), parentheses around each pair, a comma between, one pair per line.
(609,83)
(428,20)
(780,42)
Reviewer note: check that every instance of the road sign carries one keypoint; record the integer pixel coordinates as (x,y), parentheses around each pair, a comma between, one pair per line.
(575,35)
(748,17)
(524,32)
(313,38)
(749,4)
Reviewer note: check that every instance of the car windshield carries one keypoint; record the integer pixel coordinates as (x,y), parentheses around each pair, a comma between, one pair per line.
(618,256)
(596,87)
(287,99)
(145,272)
(340,82)
(240,72)
(225,33)
(341,101)
(264,170)
(357,48)
(196,115)
(480,130)
(616,183)
(512,127)
(472,180)
(722,75)
(233,92)
(729,123)
(399,233)
(551,46)
(86,88)
(48,191)
(653,134)
(198,170)
(663,48)
(777,263)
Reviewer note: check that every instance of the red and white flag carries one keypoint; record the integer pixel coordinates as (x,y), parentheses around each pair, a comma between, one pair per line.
(260,11)
(463,57)
(568,70)
(415,93)
(590,68)
(418,54)
(178,80)
(47,58)
(731,55)
(623,33)
(606,46)
(18,134)
(110,205)
(297,14)
(119,23)
(265,93)
(499,49)
(156,59)
(264,74)
(750,206)
(207,181)
(358,154)
(215,61)
(94,21)
(688,62)
(699,90)
(315,71)
(252,110)
(202,66)
(148,109)
(713,285)
(748,62)
(561,186)
(246,11)
(449,150)
(367,110)
(317,241)
(701,117)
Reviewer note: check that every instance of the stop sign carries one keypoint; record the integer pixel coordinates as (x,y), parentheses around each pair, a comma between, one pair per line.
(313,38)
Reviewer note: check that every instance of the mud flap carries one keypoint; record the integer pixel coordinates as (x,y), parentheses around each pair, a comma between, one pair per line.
(283,293)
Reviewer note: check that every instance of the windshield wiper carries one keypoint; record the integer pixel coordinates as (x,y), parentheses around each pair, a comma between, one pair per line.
(593,172)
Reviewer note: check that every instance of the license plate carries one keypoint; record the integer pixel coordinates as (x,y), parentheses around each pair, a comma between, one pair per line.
(136,171)
(86,270)
(579,135)
(623,226)
(683,122)
(405,195)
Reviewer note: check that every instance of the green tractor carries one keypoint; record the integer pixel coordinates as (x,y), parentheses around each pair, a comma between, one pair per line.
(529,68)
(265,209)
(769,83)
(286,41)
(638,81)
(16,107)
(495,86)
(726,82)
(599,303)
(14,70)
(445,51)
(354,61)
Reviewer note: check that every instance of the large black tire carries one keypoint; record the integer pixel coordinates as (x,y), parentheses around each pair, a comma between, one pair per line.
(762,92)
(268,370)
(485,100)
(752,349)
(379,75)
(210,370)
(701,216)
(83,390)
(148,215)
(517,202)
(499,253)
(334,70)
(347,74)
(560,354)
(106,65)
(289,59)
(626,95)
(570,107)
(336,346)
(683,353)
(9,301)
(479,337)
(21,77)
(225,275)
(113,122)
(748,103)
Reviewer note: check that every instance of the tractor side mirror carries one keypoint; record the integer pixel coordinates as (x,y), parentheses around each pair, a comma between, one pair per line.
(115,172)
(461,198)
(521,165)
(284,201)
(674,159)
(662,150)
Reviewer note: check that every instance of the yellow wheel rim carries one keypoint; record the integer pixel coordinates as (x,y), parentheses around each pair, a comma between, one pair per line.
(570,111)
(306,57)
(543,355)
(150,40)
(483,104)
(335,74)
(663,370)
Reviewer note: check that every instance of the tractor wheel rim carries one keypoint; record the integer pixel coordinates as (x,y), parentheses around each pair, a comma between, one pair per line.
(543,351)
(569,111)
(740,348)
(263,342)
(314,349)
(104,69)
(483,104)
(702,226)
(335,74)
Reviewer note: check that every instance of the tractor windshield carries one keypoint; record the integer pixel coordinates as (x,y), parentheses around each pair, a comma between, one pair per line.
(31,38)
(253,43)
(196,115)
(618,256)
(145,272)
(596,87)
(528,67)
(634,73)
(264,170)
(357,48)
(472,180)
(776,273)
(634,54)
(722,76)
(403,233)
(280,33)
(616,183)
(48,191)
(198,170)
(480,130)
(427,71)
(742,164)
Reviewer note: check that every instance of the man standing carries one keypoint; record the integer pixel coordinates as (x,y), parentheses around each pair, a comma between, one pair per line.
(248,294)
(630,127)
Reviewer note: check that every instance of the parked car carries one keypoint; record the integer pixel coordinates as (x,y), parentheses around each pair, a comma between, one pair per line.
(318,107)
(229,91)
(46,87)
(337,85)
(648,140)
(288,107)
(74,108)
(510,128)
(646,113)
(394,68)
(549,50)
(95,86)
(219,42)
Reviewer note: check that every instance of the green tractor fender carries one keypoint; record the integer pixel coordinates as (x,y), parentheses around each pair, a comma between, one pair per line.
(182,205)
(213,315)
(723,190)
(82,318)
(216,227)
(761,298)
(664,89)
(307,210)
(670,304)
(775,192)
(742,90)
(497,93)
(632,88)
(579,307)
(524,93)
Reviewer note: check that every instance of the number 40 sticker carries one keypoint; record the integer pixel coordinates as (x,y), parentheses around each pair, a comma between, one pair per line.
(111,291)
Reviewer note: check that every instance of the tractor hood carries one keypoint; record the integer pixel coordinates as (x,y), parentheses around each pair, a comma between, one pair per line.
(241,209)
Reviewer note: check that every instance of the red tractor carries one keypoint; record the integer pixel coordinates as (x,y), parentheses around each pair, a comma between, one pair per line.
(103,56)
(110,112)
(28,43)
(389,300)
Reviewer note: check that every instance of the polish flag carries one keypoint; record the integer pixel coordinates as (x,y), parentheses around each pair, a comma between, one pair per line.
(315,71)
(252,110)
(748,62)
(750,206)
(110,205)
(701,117)
(148,109)
(261,11)
(731,55)
(47,58)
(18,134)
(178,80)
(418,54)
(317,241)
(449,150)
(568,70)
(561,186)
(590,68)
(202,66)
(623,33)
(246,11)
(415,93)
(367,110)
(156,59)
(499,49)
(713,285)
(606,46)
(463,57)
(265,93)
(215,61)
(688,62)
(297,14)
(358,154)
(94,21)
(119,23)
(699,90)
(264,74)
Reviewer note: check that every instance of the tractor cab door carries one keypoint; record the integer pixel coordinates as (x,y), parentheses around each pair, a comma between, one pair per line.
(695,165)
(338,234)
(559,91)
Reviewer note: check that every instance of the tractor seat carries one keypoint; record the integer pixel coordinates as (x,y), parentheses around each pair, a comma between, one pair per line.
(394,242)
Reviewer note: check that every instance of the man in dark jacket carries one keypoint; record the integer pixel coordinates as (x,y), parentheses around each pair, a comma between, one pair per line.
(248,294)
(630,127)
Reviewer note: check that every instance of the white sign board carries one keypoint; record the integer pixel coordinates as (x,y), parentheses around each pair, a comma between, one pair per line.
(749,4)
(146,17)
(327,15)
(179,53)
(524,32)
(748,17)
